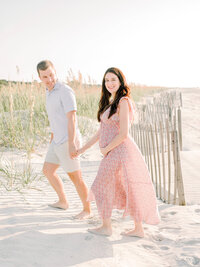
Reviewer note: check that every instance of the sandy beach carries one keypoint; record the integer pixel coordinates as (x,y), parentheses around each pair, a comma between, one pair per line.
(33,234)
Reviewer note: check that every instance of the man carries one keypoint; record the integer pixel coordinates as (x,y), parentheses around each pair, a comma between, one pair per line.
(65,137)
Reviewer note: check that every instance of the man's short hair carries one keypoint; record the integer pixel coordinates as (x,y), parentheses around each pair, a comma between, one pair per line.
(43,65)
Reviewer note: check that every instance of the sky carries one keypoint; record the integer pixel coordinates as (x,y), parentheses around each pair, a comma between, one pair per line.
(153,42)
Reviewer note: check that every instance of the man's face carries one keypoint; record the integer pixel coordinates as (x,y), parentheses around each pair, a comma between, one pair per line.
(48,77)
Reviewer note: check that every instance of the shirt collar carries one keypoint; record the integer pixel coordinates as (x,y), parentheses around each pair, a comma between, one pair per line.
(56,87)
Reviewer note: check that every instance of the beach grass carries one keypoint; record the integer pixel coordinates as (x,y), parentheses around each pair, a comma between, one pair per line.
(23,118)
(24,123)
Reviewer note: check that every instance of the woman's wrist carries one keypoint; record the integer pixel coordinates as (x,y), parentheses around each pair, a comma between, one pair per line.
(107,149)
(81,150)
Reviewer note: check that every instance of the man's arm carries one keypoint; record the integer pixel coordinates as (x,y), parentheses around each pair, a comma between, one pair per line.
(71,116)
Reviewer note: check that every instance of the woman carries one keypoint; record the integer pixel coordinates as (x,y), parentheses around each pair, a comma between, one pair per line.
(123,180)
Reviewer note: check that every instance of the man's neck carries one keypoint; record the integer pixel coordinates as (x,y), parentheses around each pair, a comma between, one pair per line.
(50,89)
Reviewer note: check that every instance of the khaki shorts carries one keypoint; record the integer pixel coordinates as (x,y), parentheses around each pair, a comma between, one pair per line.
(59,154)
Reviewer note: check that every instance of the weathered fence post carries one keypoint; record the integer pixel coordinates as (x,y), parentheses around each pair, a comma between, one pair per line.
(154,158)
(163,162)
(169,160)
(158,157)
(180,129)
(179,178)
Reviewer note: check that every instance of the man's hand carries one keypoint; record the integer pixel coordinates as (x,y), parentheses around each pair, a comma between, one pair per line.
(72,150)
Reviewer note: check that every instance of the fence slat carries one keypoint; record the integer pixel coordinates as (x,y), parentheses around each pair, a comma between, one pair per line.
(154,157)
(158,157)
(169,160)
(179,179)
(163,161)
(180,129)
(150,152)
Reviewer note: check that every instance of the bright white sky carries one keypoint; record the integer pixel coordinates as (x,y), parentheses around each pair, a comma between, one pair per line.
(154,42)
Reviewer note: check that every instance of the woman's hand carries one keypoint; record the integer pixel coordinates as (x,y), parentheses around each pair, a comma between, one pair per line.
(104,150)
(79,151)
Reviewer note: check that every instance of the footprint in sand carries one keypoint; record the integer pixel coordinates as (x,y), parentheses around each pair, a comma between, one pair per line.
(195,223)
(189,260)
(149,247)
(169,228)
(192,242)
(164,248)
(89,237)
(93,221)
(188,248)
(159,238)
(173,212)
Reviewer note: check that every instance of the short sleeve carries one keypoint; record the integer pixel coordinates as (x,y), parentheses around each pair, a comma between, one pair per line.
(68,99)
(132,107)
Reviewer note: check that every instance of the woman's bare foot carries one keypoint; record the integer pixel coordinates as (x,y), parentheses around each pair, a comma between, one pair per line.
(83,215)
(101,231)
(135,232)
(59,205)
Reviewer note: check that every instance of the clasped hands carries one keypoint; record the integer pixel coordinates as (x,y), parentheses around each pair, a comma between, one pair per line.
(76,152)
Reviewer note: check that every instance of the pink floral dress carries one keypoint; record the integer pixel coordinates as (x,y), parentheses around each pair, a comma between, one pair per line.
(123,180)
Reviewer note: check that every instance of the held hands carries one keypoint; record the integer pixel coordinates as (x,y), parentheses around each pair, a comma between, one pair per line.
(78,152)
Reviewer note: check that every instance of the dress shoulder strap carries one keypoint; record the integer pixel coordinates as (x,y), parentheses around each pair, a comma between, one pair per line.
(132,107)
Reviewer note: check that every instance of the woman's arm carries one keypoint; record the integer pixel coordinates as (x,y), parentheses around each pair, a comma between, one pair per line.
(90,143)
(124,127)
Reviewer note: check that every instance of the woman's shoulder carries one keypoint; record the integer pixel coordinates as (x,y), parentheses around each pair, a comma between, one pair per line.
(127,99)
(131,105)
(124,98)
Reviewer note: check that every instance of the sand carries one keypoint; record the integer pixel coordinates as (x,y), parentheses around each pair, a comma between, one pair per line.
(33,234)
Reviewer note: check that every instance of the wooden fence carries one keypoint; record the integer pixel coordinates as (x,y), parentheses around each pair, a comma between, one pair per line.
(158,134)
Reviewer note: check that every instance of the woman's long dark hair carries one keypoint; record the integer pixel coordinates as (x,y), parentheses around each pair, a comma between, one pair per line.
(123,90)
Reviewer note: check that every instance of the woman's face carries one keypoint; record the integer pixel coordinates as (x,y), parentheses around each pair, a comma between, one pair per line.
(112,83)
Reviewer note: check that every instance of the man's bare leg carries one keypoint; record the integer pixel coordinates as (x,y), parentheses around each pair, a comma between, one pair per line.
(82,191)
(49,170)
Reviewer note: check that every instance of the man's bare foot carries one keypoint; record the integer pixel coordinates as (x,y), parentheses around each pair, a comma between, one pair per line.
(59,205)
(101,231)
(83,215)
(136,233)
